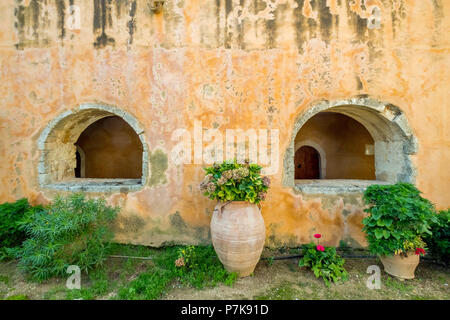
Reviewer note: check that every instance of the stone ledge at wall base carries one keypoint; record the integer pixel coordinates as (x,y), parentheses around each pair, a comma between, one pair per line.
(334,186)
(238,234)
(400,266)
(97,185)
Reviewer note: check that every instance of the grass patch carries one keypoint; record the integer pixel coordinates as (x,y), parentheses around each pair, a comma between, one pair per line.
(398,285)
(100,285)
(18,297)
(285,291)
(205,270)
(4,279)
(158,278)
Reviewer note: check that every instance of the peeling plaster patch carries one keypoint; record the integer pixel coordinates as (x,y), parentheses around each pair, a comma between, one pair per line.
(308,11)
(174,23)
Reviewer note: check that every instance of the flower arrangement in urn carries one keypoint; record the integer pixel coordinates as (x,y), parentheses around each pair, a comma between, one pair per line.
(237,227)
(398,219)
(232,181)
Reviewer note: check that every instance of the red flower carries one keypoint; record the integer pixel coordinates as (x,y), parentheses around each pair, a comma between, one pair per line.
(420,251)
(320,248)
(317,236)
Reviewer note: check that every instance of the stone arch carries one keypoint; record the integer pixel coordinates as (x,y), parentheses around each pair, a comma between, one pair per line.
(394,139)
(320,150)
(57,147)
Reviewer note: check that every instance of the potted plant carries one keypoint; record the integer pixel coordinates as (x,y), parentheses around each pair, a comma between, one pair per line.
(237,227)
(398,219)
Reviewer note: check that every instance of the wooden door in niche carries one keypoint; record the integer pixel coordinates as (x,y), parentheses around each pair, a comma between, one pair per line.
(307,163)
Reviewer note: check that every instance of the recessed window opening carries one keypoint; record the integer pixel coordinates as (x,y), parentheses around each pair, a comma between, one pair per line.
(112,150)
(346,145)
(94,148)
(343,142)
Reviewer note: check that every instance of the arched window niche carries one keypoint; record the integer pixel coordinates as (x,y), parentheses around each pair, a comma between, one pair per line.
(360,141)
(62,163)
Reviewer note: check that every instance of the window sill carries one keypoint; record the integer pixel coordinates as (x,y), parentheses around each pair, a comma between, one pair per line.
(96,185)
(334,186)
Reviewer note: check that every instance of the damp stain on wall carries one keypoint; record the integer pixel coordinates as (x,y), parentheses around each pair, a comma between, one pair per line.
(31,23)
(102,21)
(158,165)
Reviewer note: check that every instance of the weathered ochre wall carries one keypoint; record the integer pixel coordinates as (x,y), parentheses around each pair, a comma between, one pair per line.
(111,150)
(229,64)
(343,142)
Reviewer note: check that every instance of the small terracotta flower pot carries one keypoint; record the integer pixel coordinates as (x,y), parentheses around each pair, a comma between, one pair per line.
(238,234)
(400,266)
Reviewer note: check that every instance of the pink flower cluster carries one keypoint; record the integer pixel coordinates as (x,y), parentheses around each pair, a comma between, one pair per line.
(319,247)
(420,251)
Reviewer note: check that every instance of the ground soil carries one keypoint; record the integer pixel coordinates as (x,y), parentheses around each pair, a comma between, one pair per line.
(279,279)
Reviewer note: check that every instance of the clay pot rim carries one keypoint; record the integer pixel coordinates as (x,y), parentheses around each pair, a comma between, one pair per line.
(236,201)
(409,253)
(224,204)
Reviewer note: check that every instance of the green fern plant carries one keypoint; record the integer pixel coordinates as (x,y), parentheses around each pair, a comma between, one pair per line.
(12,232)
(70,231)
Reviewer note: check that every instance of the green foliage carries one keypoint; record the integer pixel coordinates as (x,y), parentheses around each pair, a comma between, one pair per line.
(70,231)
(439,242)
(398,216)
(100,285)
(18,297)
(232,181)
(201,268)
(12,231)
(326,264)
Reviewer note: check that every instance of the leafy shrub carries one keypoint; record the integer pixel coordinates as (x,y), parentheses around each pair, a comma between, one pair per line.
(398,219)
(200,267)
(439,242)
(324,262)
(12,232)
(70,231)
(232,181)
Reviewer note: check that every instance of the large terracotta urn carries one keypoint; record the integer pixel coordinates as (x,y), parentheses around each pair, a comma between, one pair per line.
(238,234)
(400,266)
